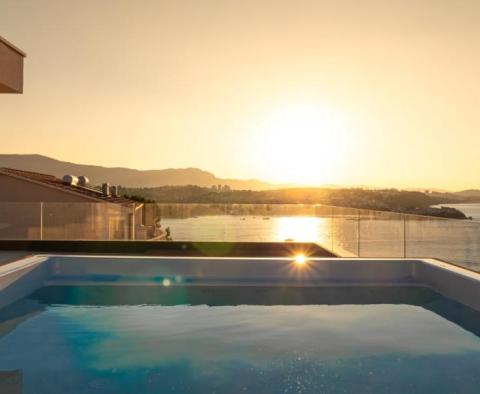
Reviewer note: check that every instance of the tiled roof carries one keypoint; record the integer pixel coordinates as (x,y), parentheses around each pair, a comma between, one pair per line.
(52,180)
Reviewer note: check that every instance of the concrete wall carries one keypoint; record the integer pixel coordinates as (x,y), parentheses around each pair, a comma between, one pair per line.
(11,68)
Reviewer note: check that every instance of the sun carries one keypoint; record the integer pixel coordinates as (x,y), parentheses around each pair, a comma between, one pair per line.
(300,259)
(304,143)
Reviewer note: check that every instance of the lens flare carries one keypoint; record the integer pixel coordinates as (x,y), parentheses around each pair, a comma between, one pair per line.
(300,259)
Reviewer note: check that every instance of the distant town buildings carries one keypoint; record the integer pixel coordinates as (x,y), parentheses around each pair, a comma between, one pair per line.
(220,188)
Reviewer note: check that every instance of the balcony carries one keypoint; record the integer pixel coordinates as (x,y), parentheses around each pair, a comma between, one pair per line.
(11,68)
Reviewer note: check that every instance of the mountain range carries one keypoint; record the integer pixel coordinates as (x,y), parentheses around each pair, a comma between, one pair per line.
(127,177)
(132,178)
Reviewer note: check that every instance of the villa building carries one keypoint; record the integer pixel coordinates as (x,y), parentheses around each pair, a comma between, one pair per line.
(42,206)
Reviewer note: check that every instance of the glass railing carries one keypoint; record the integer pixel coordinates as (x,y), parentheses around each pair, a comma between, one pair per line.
(66,221)
(346,232)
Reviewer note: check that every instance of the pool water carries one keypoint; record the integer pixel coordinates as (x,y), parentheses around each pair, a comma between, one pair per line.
(121,339)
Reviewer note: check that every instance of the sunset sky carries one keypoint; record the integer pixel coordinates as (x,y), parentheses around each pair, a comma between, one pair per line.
(345,92)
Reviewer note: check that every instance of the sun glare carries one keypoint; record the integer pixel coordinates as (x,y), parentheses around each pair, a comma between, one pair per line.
(300,259)
(305,143)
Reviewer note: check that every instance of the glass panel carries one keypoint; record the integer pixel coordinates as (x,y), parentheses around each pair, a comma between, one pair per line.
(347,232)
(86,221)
(20,220)
(381,234)
(244,222)
(456,241)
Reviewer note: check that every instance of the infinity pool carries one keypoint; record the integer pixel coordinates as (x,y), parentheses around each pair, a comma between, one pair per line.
(151,339)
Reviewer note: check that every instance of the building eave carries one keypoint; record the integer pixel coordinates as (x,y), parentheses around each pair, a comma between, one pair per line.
(15,48)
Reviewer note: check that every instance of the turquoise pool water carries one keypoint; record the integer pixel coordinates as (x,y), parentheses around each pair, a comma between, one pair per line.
(124,339)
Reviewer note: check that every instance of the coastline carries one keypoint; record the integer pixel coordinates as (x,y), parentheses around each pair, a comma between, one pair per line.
(469,209)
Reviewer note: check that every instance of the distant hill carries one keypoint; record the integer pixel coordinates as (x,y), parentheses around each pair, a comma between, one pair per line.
(126,176)
(381,200)
(471,193)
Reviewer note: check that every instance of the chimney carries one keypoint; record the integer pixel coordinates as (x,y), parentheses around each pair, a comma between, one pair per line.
(114,191)
(106,189)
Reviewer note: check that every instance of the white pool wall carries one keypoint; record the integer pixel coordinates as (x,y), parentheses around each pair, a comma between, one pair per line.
(22,277)
(239,270)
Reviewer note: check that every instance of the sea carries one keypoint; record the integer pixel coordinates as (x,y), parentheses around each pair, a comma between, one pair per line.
(453,240)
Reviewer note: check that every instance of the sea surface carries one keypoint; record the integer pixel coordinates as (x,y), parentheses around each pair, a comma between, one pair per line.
(456,241)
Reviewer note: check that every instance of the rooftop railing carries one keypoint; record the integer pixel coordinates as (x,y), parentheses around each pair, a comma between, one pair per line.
(346,232)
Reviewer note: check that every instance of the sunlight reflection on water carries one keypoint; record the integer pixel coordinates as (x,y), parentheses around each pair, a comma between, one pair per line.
(457,241)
